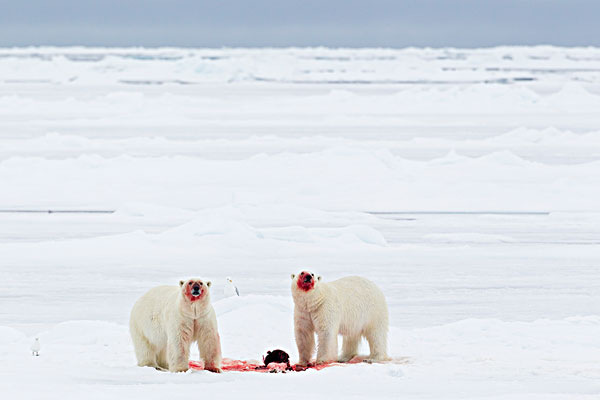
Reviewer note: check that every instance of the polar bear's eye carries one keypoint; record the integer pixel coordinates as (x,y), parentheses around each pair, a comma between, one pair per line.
(190,283)
(200,283)
(312,275)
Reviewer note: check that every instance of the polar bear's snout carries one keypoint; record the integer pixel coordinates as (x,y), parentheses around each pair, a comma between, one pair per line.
(196,289)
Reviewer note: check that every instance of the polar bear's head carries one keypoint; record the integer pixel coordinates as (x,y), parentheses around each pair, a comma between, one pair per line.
(194,289)
(305,281)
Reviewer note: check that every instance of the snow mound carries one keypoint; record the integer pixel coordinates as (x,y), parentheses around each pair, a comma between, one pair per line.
(85,333)
(10,335)
(215,222)
(230,224)
(349,234)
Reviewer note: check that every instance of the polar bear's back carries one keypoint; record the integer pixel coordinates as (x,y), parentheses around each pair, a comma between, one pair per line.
(149,313)
(156,298)
(362,304)
(358,286)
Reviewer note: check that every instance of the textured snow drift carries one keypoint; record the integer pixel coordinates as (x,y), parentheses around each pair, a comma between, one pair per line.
(465,183)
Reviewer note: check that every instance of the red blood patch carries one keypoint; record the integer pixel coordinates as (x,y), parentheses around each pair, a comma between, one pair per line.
(302,285)
(229,364)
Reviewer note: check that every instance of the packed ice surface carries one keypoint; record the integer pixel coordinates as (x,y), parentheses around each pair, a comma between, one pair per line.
(465,183)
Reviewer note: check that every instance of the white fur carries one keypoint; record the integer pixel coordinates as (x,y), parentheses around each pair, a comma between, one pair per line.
(164,323)
(353,307)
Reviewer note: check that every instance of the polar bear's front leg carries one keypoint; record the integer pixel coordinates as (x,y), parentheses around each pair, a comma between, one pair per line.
(305,337)
(178,351)
(327,351)
(209,347)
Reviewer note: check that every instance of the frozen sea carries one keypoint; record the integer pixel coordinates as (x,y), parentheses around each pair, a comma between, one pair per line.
(465,183)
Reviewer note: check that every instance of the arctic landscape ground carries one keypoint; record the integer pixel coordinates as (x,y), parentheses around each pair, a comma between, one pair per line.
(465,183)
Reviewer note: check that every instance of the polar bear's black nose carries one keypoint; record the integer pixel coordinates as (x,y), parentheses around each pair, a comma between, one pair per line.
(196,287)
(307,278)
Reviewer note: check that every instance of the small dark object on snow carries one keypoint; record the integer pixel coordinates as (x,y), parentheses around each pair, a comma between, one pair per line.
(277,356)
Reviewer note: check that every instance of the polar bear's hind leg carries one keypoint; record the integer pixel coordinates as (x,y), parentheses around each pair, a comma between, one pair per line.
(377,339)
(349,348)
(144,351)
(161,360)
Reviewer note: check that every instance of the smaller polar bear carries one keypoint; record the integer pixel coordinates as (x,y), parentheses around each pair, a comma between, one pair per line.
(352,307)
(167,319)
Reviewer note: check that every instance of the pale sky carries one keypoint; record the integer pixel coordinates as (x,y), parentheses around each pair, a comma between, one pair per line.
(336,23)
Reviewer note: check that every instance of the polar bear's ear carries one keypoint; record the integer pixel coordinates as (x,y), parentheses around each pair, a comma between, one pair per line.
(208,283)
(319,278)
(181,283)
(293,276)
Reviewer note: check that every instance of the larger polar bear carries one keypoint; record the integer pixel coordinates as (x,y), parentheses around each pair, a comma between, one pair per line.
(167,319)
(352,307)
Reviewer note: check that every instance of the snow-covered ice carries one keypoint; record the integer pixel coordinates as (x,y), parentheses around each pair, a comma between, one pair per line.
(465,183)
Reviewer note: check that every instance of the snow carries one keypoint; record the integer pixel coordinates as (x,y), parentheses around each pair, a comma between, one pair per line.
(465,183)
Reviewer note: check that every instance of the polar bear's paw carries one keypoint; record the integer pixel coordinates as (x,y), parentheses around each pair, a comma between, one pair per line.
(344,358)
(377,360)
(178,369)
(302,367)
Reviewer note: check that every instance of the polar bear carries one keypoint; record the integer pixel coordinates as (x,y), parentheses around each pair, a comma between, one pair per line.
(167,319)
(352,307)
